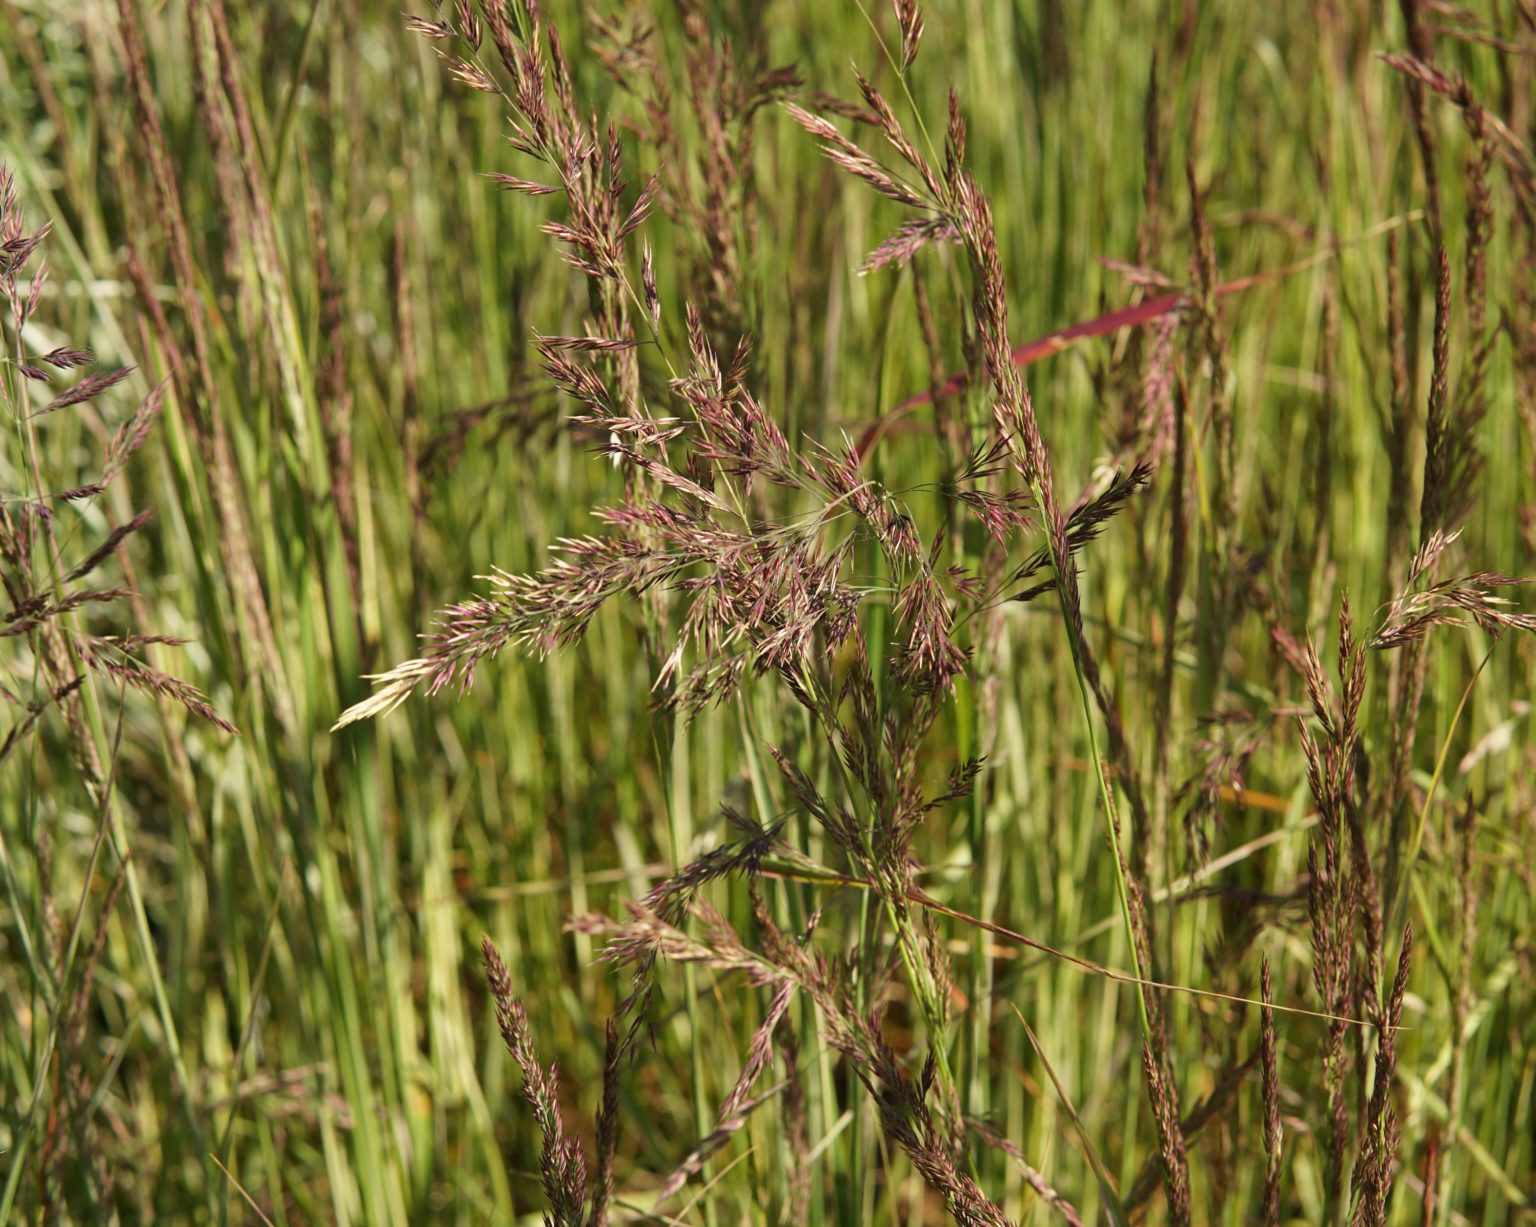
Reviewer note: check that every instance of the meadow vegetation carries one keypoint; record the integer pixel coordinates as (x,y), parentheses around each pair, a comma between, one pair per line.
(768,612)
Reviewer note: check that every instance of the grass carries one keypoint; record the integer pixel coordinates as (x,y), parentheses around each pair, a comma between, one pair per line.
(244,972)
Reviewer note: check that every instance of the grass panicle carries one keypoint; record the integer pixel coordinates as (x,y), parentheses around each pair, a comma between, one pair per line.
(899,768)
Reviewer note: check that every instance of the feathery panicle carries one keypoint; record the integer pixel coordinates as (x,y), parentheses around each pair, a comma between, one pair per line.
(1271,1097)
(562,1167)
(910,19)
(739,1103)
(46,602)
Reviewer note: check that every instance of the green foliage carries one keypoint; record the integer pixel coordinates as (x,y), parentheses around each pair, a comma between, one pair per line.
(244,971)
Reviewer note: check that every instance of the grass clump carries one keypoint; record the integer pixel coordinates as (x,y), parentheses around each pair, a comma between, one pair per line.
(938,774)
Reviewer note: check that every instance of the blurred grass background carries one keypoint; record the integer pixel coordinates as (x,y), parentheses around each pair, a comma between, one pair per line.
(297,996)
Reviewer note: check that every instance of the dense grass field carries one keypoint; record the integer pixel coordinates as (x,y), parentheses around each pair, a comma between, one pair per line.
(1028,734)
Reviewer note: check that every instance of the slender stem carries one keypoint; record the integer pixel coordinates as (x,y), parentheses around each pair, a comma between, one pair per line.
(1075,644)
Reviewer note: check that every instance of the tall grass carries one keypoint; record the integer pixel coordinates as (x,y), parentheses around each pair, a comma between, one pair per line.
(1092,788)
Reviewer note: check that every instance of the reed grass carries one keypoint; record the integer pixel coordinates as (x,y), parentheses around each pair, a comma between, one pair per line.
(1001,692)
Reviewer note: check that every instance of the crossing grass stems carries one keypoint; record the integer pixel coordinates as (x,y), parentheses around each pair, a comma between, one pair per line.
(767,568)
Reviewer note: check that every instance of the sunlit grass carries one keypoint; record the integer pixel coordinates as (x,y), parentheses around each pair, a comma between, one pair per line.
(288,1010)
